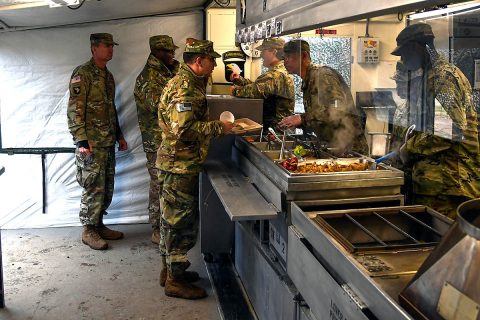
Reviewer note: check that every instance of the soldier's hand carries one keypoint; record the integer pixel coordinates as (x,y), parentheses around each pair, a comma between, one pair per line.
(290,122)
(227,127)
(86,151)
(122,144)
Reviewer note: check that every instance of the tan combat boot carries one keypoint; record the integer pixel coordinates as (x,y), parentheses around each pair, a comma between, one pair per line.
(91,238)
(189,276)
(156,235)
(106,233)
(180,288)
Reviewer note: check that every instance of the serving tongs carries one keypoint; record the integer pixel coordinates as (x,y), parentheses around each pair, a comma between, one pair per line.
(394,153)
(316,151)
(281,141)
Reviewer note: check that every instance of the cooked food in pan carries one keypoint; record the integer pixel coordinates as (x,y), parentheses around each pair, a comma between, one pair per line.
(293,166)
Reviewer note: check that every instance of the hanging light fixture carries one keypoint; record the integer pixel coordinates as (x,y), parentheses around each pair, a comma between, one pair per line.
(60,3)
(445,11)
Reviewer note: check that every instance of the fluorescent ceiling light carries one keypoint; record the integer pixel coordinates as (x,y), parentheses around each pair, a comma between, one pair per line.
(59,3)
(437,12)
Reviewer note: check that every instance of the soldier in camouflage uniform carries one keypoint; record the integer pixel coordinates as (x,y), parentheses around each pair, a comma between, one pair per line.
(186,134)
(160,67)
(329,108)
(444,169)
(93,123)
(274,86)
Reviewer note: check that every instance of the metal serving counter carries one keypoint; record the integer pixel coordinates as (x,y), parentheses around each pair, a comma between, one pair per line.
(247,195)
(335,245)
(307,237)
(350,189)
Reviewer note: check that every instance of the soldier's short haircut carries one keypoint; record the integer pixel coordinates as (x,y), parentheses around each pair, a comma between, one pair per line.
(189,57)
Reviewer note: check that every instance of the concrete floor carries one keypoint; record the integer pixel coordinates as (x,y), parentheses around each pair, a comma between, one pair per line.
(50,274)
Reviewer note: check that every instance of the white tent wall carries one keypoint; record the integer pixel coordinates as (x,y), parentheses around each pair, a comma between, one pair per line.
(35,68)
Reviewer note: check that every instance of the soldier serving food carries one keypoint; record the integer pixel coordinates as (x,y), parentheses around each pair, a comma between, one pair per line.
(444,167)
(329,109)
(274,86)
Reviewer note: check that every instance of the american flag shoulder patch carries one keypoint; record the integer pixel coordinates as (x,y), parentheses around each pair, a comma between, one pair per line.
(76,79)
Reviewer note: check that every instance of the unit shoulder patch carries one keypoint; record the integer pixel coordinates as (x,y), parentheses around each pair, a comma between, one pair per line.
(185,106)
(76,90)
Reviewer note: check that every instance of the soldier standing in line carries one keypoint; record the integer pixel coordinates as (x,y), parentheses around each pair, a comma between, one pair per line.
(93,123)
(274,86)
(160,67)
(444,167)
(328,102)
(186,134)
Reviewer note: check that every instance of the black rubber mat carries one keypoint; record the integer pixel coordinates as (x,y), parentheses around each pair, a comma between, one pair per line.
(232,300)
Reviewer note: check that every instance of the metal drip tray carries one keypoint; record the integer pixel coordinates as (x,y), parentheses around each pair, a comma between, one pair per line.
(381,229)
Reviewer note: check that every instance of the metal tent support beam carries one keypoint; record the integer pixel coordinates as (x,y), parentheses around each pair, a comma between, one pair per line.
(2,296)
(43,152)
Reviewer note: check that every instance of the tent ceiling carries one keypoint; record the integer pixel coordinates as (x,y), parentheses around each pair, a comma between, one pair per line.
(37,13)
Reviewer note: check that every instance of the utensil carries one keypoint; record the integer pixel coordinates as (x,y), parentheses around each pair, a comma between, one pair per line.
(270,129)
(282,148)
(409,132)
(386,157)
(316,151)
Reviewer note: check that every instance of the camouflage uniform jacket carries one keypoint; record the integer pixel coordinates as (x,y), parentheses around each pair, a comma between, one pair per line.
(91,108)
(276,87)
(148,90)
(441,165)
(183,111)
(330,111)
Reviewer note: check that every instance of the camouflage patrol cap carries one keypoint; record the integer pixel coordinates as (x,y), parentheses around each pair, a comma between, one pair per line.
(200,46)
(105,38)
(162,42)
(419,32)
(296,45)
(272,43)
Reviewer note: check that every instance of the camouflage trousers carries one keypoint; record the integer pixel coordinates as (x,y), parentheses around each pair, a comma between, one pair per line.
(95,174)
(444,204)
(155,190)
(180,219)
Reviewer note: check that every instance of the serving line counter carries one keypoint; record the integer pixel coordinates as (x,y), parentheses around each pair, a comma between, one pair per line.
(327,238)
(250,207)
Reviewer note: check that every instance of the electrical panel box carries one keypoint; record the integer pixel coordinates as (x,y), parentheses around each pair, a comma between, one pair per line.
(368,50)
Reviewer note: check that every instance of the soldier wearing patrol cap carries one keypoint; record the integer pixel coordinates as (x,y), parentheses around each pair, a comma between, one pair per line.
(328,102)
(186,134)
(274,86)
(444,165)
(160,67)
(93,123)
